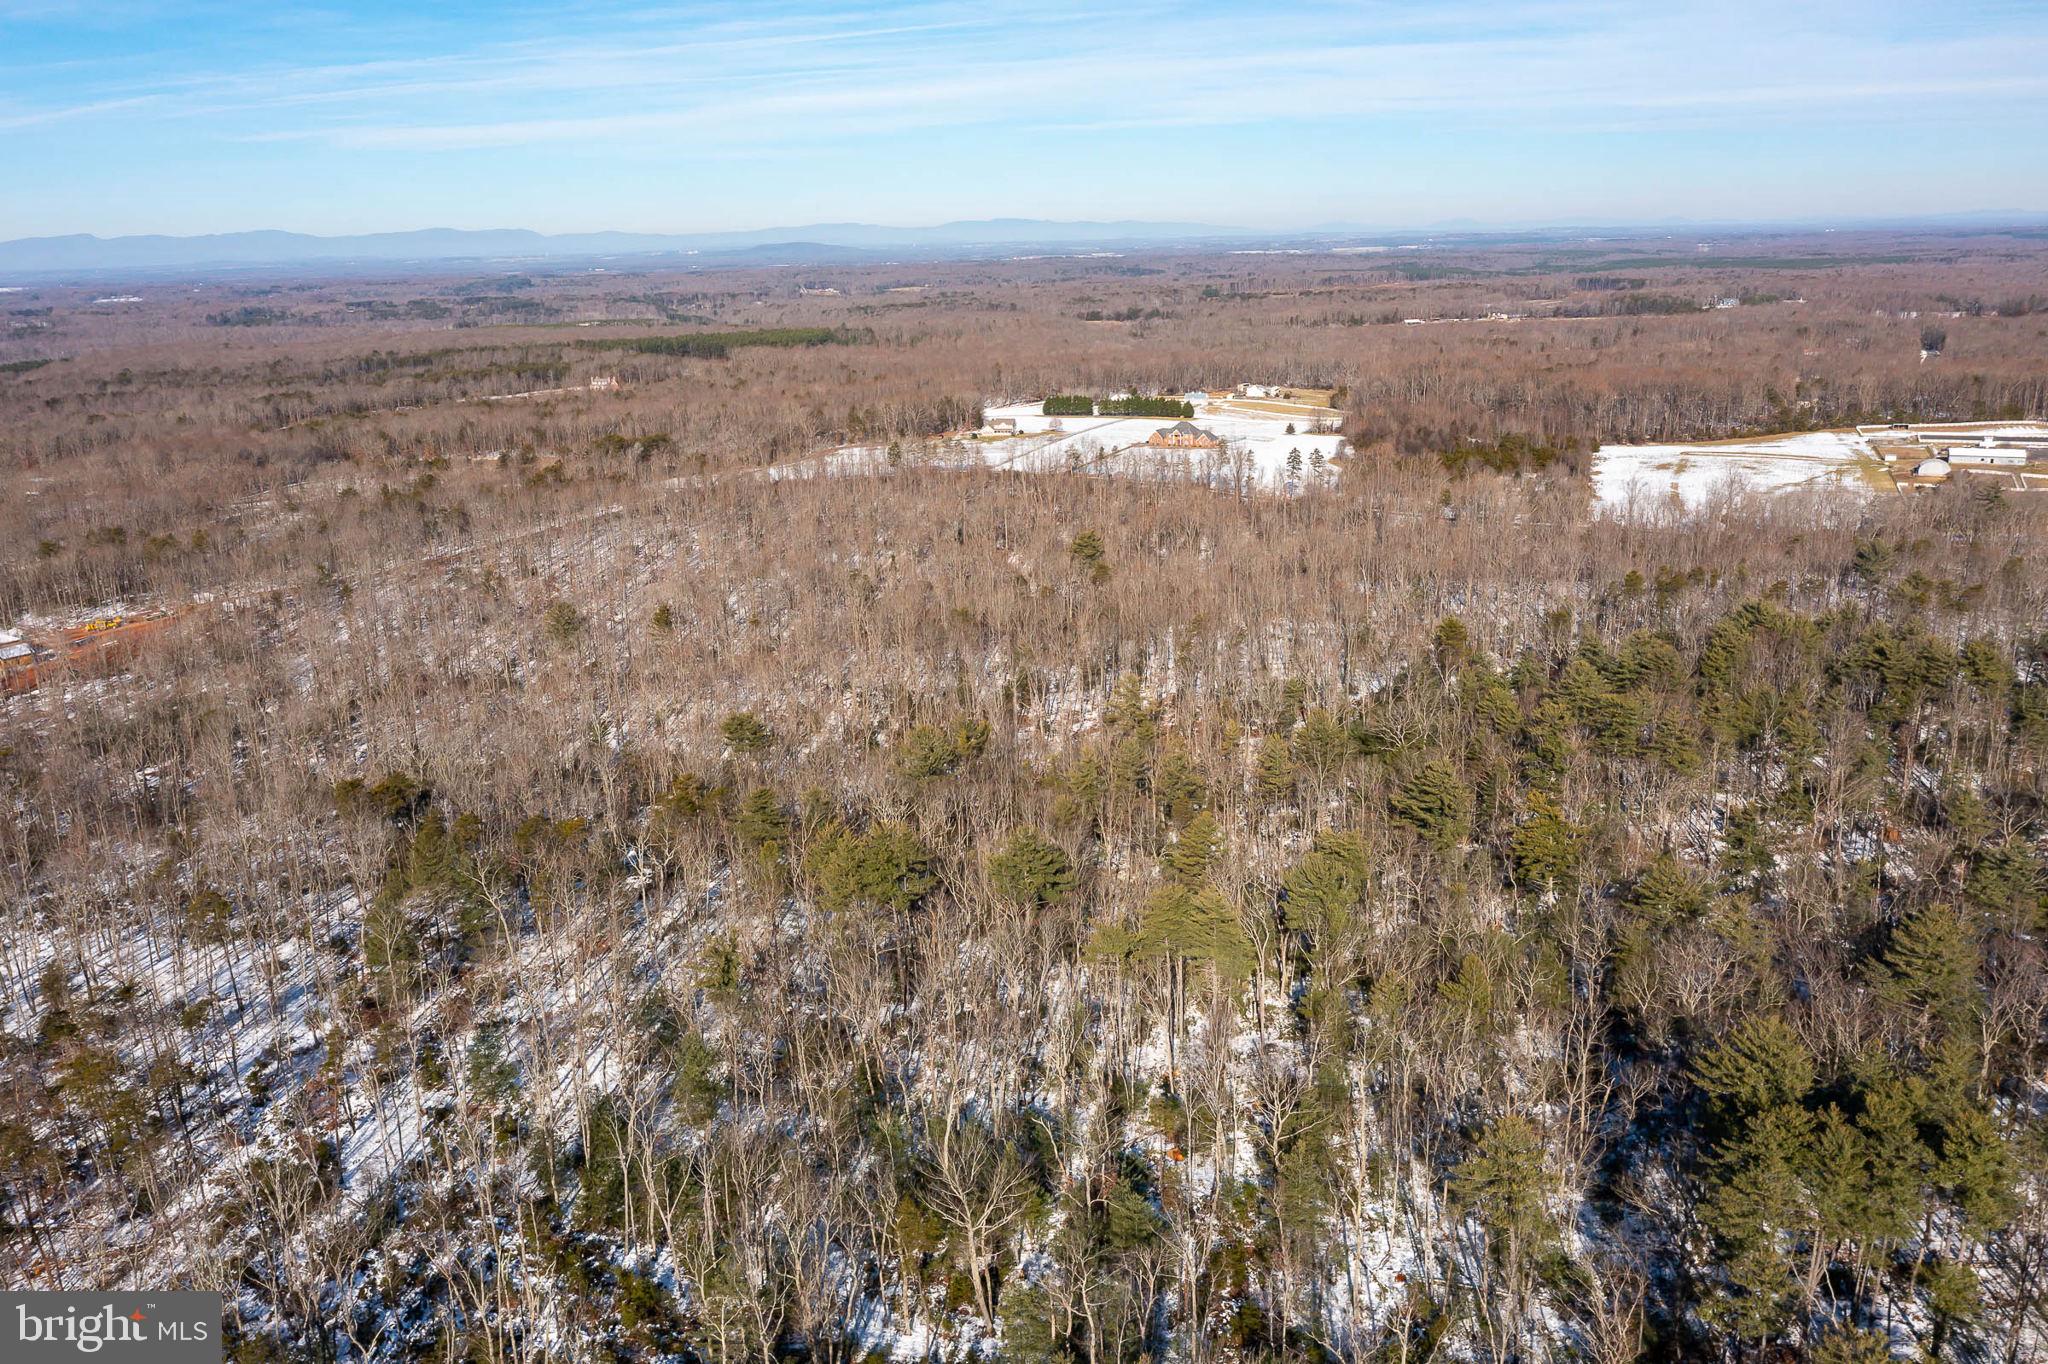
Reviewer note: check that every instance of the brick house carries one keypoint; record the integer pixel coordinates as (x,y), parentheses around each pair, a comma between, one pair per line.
(1183,435)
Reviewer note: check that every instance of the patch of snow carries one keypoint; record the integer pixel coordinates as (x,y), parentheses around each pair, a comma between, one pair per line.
(1634,479)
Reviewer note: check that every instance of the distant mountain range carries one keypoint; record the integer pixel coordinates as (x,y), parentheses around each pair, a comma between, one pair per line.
(82,253)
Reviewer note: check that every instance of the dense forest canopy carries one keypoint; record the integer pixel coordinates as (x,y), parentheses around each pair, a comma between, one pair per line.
(542,888)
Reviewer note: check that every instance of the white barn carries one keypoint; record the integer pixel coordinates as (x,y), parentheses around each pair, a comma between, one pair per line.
(1987,451)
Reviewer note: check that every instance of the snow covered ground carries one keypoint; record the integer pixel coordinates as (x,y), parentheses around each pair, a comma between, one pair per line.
(1633,479)
(1256,453)
(1259,435)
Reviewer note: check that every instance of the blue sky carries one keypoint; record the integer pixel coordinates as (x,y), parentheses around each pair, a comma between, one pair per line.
(124,116)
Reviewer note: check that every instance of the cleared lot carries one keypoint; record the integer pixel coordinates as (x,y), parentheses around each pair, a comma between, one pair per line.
(1638,478)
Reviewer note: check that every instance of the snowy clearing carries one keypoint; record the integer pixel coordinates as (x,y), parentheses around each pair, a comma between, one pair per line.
(1632,479)
(1257,447)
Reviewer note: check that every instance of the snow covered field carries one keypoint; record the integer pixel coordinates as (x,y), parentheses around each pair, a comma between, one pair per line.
(1634,479)
(1256,453)
(1259,436)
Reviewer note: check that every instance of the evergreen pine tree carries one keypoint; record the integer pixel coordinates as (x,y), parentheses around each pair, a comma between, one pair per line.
(562,623)
(1188,860)
(391,949)
(1081,786)
(1197,925)
(1754,1213)
(1930,967)
(433,862)
(1130,766)
(1975,1168)
(760,824)
(1127,712)
(1321,893)
(601,1198)
(1503,1181)
(1546,846)
(1759,1066)
(1293,698)
(1490,699)
(1666,893)
(744,732)
(1031,871)
(1273,775)
(1321,744)
(1451,642)
(1029,1333)
(208,916)
(1436,803)
(1177,787)
(1954,1300)
(1839,1178)
(2005,884)
(1853,1345)
(885,867)
(1899,1161)
(926,753)
(1470,993)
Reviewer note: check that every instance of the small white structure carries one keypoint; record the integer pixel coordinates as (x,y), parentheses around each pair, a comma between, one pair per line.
(1931,468)
(1727,303)
(604,383)
(1196,397)
(1003,426)
(1255,390)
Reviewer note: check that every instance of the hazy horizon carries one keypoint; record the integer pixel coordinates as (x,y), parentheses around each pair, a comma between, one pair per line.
(1987,215)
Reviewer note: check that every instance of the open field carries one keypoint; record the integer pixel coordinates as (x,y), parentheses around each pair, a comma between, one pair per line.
(1629,478)
(1634,478)
(1255,437)
(1258,452)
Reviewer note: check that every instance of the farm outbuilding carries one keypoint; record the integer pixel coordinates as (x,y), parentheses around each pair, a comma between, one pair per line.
(17,663)
(1987,451)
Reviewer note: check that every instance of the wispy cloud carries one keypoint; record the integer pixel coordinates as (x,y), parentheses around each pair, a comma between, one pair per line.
(801,74)
(60,113)
(848,85)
